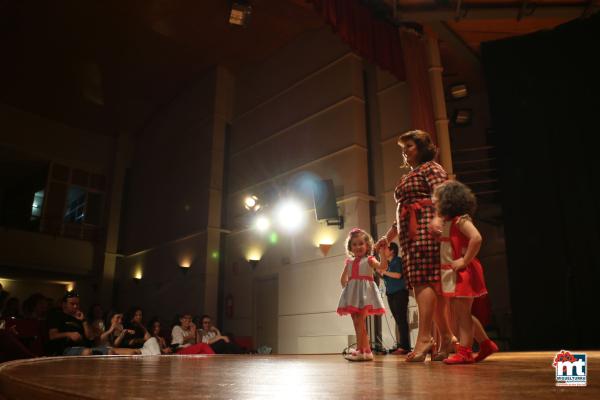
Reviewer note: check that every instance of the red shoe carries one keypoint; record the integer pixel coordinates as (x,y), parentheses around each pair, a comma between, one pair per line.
(464,355)
(399,352)
(486,348)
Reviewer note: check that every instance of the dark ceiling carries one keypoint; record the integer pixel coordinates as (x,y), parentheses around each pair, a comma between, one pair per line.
(108,65)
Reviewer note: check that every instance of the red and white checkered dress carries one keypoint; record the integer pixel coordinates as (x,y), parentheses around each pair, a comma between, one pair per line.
(420,251)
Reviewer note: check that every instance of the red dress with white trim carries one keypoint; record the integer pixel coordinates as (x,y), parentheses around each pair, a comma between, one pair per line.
(361,294)
(467,282)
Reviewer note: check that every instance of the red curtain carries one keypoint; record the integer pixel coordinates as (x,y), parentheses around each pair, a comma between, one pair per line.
(417,78)
(403,54)
(372,39)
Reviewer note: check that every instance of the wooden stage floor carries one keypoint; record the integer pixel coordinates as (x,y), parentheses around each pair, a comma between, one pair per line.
(502,376)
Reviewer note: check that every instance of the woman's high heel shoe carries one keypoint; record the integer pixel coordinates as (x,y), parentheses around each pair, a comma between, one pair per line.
(421,356)
(444,351)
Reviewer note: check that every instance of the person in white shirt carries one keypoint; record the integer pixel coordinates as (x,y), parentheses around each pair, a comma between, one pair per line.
(183,337)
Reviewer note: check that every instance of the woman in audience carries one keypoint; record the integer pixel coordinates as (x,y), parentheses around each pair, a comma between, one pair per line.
(210,335)
(36,307)
(140,338)
(184,337)
(11,309)
(114,335)
(154,328)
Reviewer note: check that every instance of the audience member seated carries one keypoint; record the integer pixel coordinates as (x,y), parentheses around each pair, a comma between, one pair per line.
(36,307)
(11,347)
(3,296)
(183,337)
(140,338)
(154,328)
(111,337)
(69,332)
(210,335)
(11,309)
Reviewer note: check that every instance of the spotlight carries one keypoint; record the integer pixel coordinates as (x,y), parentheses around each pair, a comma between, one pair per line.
(290,215)
(251,203)
(462,117)
(240,14)
(262,223)
(458,91)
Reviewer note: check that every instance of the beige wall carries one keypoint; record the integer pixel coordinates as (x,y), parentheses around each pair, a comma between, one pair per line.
(171,215)
(298,118)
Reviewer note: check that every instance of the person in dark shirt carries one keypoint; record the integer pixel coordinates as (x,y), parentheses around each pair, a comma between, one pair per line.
(69,332)
(397,295)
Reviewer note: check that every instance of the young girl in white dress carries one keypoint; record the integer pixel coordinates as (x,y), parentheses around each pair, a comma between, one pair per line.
(360,295)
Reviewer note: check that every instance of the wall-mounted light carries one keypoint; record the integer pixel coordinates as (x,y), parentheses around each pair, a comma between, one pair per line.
(185,266)
(324,248)
(462,117)
(458,91)
(253,263)
(137,277)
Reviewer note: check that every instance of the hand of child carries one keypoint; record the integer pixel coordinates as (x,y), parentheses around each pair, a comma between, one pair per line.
(344,282)
(458,264)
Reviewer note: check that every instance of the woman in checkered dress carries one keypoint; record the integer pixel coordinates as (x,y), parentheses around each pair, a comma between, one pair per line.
(420,250)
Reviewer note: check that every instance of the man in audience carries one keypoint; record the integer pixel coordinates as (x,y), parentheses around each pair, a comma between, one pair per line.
(69,332)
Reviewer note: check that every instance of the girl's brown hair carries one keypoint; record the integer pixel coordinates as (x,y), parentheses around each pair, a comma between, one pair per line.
(427,150)
(357,232)
(454,199)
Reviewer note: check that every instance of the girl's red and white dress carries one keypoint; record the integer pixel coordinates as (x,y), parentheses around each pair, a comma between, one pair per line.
(361,294)
(467,282)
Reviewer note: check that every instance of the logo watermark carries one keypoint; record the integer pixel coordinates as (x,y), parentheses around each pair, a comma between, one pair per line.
(571,368)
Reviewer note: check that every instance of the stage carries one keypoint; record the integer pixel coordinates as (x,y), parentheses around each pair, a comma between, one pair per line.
(504,375)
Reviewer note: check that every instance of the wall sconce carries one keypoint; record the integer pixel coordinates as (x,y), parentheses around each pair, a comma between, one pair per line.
(137,277)
(253,264)
(458,91)
(324,248)
(462,117)
(184,267)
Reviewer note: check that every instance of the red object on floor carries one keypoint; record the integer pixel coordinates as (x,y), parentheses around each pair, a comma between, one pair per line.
(199,348)
(463,355)
(486,348)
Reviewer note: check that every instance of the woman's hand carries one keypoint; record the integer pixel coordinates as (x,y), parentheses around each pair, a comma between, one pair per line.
(435,227)
(459,264)
(344,282)
(381,243)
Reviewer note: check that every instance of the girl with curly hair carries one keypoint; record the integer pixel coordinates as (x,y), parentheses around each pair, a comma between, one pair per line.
(461,272)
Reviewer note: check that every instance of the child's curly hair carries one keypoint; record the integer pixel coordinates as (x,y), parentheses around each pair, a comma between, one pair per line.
(454,199)
(356,232)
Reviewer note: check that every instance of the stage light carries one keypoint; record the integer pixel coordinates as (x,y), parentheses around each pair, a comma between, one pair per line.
(251,203)
(458,91)
(240,14)
(262,223)
(290,215)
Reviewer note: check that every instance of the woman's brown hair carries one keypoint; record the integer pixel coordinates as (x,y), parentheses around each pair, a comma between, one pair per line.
(427,150)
